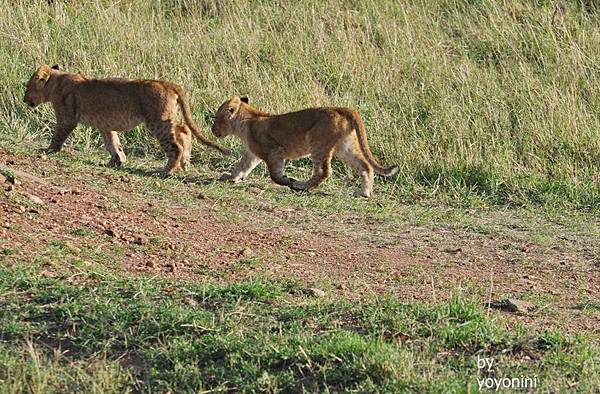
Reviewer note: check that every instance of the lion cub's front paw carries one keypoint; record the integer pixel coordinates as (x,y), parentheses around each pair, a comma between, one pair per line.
(115,162)
(299,186)
(362,194)
(230,178)
(50,149)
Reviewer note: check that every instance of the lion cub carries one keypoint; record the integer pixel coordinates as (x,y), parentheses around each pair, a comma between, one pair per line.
(318,132)
(183,135)
(113,105)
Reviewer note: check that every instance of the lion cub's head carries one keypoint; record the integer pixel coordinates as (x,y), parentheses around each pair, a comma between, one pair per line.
(36,92)
(227,116)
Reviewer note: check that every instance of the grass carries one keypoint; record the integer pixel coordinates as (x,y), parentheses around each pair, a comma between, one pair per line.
(71,319)
(111,334)
(480,102)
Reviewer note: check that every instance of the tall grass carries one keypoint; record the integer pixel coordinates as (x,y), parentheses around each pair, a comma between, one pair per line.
(497,99)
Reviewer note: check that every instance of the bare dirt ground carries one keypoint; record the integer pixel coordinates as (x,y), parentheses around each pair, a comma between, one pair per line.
(112,223)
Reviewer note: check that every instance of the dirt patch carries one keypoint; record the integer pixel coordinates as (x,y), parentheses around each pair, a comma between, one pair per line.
(110,221)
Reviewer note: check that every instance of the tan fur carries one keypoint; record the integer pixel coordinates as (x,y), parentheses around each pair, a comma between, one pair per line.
(112,105)
(183,134)
(319,133)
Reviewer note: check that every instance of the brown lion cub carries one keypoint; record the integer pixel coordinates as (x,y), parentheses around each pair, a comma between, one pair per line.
(113,105)
(318,132)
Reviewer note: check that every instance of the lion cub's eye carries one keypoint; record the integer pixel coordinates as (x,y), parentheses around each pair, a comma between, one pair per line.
(231,110)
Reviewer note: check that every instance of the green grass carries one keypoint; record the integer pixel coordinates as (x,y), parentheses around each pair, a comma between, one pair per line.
(479,102)
(109,334)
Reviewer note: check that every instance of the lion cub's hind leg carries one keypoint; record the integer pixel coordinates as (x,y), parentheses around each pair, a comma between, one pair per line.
(164,131)
(183,135)
(348,150)
(113,145)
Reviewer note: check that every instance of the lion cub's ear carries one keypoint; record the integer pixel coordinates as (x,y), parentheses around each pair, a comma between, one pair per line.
(245,99)
(55,67)
(43,73)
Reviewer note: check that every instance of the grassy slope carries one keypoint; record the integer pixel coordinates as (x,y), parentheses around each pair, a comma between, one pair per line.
(70,318)
(477,101)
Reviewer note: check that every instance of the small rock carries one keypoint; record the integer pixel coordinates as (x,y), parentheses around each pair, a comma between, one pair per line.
(453,250)
(190,301)
(139,241)
(519,306)
(515,305)
(311,253)
(150,264)
(255,190)
(35,199)
(13,180)
(317,292)
(246,252)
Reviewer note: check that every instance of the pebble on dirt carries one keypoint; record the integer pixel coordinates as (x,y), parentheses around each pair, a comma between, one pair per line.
(514,305)
(246,252)
(519,306)
(35,199)
(317,292)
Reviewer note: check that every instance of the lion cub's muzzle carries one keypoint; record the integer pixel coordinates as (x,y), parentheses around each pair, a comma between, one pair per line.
(29,102)
(216,132)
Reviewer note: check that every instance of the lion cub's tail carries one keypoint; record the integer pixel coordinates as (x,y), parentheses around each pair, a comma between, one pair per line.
(361,134)
(187,116)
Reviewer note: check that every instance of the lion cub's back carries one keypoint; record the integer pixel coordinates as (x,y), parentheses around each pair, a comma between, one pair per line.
(115,104)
